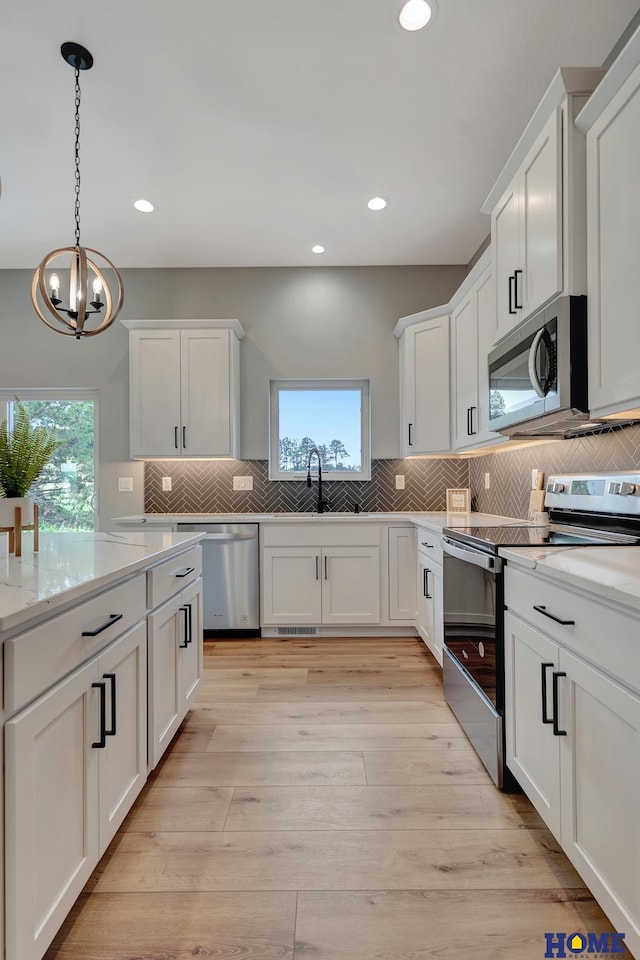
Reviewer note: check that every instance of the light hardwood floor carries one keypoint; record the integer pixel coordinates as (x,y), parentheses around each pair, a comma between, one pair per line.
(322,803)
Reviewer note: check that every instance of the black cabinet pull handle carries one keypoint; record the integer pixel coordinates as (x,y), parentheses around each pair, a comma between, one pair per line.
(468,422)
(427,595)
(511,283)
(105,626)
(472,432)
(189,622)
(175,437)
(557,732)
(517,305)
(540,608)
(543,670)
(326,573)
(429,546)
(317,561)
(410,437)
(184,437)
(102,742)
(184,645)
(112,679)
(184,572)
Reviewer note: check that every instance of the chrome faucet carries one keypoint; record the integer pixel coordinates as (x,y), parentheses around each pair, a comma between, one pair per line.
(322,502)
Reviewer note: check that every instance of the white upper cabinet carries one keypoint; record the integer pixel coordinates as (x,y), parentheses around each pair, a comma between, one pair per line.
(184,388)
(537,205)
(474,326)
(424,383)
(611,120)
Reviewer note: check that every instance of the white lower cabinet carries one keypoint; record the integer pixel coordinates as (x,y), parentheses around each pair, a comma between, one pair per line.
(75,761)
(175,665)
(573,743)
(314,585)
(402,581)
(429,589)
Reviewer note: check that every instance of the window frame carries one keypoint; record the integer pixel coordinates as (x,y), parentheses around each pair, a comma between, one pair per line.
(11,394)
(361,384)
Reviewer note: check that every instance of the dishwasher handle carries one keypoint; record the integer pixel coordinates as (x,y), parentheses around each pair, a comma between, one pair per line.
(229,537)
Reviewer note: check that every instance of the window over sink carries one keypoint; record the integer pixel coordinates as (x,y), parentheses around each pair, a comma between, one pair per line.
(331,415)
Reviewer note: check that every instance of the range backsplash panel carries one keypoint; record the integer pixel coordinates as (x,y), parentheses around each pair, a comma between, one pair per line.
(206,486)
(617,449)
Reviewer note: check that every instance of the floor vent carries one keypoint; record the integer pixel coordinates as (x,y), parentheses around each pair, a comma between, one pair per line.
(297,631)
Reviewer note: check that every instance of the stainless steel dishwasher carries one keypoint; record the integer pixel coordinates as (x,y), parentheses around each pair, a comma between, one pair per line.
(230,572)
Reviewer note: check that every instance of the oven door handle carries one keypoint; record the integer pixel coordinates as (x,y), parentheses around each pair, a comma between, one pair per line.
(494,564)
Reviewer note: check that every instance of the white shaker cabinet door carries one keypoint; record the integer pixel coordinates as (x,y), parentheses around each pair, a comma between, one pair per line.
(425,387)
(192,653)
(154,393)
(165,633)
(205,426)
(613,242)
(351,585)
(600,789)
(465,352)
(533,751)
(402,581)
(291,585)
(51,810)
(505,238)
(123,761)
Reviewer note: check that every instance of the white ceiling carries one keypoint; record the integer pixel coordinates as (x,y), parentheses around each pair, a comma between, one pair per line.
(262,127)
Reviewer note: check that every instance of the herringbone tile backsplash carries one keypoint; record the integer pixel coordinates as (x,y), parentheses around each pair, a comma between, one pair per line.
(206,486)
(510,472)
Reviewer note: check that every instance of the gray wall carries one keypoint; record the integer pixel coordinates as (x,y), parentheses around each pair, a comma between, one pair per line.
(300,322)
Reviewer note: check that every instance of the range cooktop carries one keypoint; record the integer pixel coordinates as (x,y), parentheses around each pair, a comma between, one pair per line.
(553,535)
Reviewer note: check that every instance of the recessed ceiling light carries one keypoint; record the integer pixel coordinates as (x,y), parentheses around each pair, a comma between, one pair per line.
(416,14)
(143,206)
(318,248)
(377,203)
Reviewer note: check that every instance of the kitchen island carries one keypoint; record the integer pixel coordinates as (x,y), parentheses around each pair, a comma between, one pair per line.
(101,659)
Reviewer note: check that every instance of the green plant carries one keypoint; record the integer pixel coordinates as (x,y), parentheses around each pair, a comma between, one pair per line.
(24,453)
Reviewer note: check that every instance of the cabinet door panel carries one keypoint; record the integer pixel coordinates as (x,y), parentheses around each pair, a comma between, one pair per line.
(205,396)
(465,334)
(533,752)
(155,393)
(165,681)
(431,430)
(505,239)
(123,762)
(351,585)
(601,786)
(613,191)
(291,586)
(51,804)
(402,581)
(192,654)
(424,605)
(541,219)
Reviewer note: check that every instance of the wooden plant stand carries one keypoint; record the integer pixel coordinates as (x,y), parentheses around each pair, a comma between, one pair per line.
(15,532)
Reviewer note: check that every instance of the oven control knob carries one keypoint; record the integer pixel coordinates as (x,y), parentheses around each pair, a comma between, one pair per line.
(555,487)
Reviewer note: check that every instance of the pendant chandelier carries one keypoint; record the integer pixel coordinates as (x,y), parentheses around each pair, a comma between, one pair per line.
(89,291)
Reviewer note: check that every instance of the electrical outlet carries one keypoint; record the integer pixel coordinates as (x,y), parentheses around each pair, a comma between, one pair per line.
(534,478)
(243,483)
(125,484)
(487,481)
(166,484)
(400,481)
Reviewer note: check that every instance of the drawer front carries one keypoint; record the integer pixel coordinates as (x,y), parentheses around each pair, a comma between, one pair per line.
(321,533)
(39,658)
(168,578)
(599,633)
(429,545)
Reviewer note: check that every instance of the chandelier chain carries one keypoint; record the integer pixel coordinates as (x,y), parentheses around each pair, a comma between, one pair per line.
(77,159)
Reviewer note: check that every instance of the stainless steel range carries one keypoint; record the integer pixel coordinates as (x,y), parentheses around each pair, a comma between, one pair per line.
(585,510)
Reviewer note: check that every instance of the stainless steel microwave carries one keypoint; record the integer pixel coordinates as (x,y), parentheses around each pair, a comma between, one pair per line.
(538,373)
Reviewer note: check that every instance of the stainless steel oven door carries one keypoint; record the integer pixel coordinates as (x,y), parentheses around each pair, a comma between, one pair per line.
(470,615)
(473,664)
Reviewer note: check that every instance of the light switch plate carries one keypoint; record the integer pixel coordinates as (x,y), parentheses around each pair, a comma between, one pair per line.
(487,481)
(534,478)
(166,484)
(125,484)
(243,483)
(400,481)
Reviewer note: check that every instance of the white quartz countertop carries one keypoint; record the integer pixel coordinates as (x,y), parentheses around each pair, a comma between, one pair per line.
(434,520)
(71,565)
(609,572)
